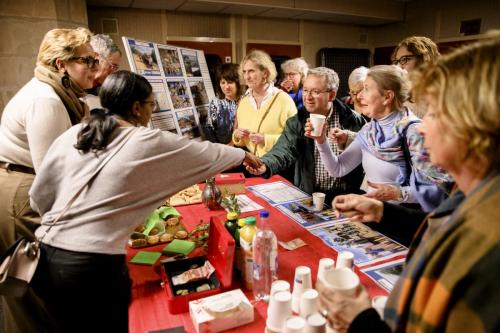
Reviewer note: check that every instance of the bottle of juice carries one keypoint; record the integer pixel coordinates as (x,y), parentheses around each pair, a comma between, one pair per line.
(247,234)
(231,222)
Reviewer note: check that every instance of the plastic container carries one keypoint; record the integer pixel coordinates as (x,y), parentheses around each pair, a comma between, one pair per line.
(265,259)
(247,234)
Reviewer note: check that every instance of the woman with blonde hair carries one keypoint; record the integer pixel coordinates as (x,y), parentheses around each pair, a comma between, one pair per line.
(389,145)
(264,110)
(450,280)
(40,111)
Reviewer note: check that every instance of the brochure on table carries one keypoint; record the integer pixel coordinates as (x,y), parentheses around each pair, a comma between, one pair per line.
(181,84)
(385,274)
(367,245)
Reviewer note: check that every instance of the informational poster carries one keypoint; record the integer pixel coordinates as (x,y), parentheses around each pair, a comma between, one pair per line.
(181,84)
(385,274)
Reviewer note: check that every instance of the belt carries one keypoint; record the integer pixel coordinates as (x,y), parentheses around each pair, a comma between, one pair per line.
(16,167)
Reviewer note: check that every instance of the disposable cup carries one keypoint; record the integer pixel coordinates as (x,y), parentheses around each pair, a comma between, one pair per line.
(341,280)
(301,282)
(325,264)
(279,285)
(317,121)
(315,323)
(308,302)
(294,324)
(279,309)
(318,201)
(378,303)
(345,259)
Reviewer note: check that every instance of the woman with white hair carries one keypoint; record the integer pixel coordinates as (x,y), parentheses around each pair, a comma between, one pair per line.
(389,146)
(355,82)
(263,112)
(294,72)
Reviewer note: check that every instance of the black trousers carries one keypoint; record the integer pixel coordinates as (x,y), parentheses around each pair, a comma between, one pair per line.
(84,292)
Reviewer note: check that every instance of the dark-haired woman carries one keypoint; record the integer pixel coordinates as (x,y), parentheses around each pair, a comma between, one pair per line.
(82,276)
(222,109)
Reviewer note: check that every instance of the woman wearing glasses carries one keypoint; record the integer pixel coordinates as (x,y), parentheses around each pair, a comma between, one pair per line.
(82,276)
(294,73)
(413,52)
(45,107)
(263,112)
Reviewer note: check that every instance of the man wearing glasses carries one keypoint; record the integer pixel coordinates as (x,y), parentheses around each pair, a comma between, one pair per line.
(109,56)
(319,96)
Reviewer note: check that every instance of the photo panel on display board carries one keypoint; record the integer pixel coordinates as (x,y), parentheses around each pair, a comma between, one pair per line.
(170,61)
(198,92)
(188,124)
(191,63)
(143,57)
(164,121)
(179,94)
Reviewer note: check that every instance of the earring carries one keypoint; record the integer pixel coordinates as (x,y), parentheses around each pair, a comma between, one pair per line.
(65,80)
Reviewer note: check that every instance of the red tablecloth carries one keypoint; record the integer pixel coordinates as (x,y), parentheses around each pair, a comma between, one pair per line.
(148,310)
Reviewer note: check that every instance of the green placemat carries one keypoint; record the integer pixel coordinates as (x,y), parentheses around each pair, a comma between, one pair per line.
(145,258)
(179,246)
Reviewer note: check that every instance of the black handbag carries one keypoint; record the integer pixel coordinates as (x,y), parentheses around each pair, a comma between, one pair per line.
(19,262)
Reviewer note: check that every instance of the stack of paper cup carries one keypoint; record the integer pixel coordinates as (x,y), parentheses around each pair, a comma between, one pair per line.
(341,280)
(294,324)
(301,282)
(325,264)
(279,285)
(317,122)
(345,259)
(279,309)
(308,302)
(315,323)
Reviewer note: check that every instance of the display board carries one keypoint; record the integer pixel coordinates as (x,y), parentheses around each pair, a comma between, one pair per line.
(181,84)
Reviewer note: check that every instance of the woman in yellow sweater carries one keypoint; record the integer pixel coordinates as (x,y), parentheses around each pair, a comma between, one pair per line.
(263,112)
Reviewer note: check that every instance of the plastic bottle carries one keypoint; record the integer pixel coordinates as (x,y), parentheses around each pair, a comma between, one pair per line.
(231,223)
(265,259)
(247,234)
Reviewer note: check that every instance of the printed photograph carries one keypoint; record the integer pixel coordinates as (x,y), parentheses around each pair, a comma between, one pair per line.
(144,58)
(170,62)
(187,124)
(179,94)
(198,92)
(191,63)
(367,245)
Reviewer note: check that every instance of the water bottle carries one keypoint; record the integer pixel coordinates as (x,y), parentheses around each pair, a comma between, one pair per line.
(265,259)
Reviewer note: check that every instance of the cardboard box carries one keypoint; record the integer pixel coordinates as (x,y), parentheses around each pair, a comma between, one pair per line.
(221,312)
(220,253)
(230,183)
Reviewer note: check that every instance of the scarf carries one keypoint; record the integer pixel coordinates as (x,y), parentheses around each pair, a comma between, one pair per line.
(70,97)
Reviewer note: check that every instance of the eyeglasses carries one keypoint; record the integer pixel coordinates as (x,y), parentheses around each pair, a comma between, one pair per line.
(313,93)
(290,74)
(90,61)
(152,104)
(114,67)
(403,60)
(353,93)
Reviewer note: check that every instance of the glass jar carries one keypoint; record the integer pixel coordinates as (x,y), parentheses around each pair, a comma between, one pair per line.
(211,195)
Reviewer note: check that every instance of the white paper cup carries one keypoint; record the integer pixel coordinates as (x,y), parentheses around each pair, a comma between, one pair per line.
(378,303)
(279,285)
(318,201)
(294,324)
(308,302)
(341,280)
(279,309)
(317,122)
(325,264)
(345,259)
(315,323)
(301,282)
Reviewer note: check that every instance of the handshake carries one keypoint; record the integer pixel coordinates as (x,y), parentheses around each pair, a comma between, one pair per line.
(253,164)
